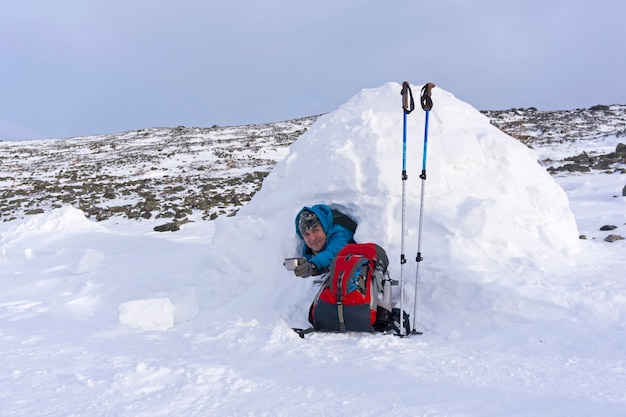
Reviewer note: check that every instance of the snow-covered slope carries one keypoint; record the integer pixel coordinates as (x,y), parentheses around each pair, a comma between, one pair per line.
(519,316)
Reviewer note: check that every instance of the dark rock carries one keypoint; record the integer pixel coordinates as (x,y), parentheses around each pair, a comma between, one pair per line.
(581,158)
(608,227)
(574,168)
(613,238)
(602,165)
(167,227)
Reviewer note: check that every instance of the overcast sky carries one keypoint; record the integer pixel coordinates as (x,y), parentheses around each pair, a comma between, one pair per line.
(81,67)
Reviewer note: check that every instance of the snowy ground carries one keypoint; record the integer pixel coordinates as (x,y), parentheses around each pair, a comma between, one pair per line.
(519,316)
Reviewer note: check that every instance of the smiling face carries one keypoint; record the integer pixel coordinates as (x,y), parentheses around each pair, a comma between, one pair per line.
(315,238)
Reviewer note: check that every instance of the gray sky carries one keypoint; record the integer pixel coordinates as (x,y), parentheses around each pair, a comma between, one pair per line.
(81,67)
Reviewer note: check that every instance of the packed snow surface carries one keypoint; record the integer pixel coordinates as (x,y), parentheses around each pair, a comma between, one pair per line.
(519,316)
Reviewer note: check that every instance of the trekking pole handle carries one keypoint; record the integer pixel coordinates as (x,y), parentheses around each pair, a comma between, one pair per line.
(425,99)
(408,104)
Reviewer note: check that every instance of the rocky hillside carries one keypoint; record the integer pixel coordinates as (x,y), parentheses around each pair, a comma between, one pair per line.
(164,173)
(172,173)
(558,129)
(543,127)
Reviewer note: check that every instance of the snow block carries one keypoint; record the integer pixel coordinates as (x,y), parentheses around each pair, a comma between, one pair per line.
(148,314)
(160,313)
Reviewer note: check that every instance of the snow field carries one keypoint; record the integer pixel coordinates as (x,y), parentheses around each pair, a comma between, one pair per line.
(520,317)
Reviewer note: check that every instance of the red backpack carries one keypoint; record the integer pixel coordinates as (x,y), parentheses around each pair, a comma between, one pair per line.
(356,293)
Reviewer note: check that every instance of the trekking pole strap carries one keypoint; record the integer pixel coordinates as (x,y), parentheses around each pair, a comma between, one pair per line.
(425,99)
(408,104)
(303,332)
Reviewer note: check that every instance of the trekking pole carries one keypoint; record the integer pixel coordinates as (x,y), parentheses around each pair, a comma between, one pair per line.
(427,104)
(408,105)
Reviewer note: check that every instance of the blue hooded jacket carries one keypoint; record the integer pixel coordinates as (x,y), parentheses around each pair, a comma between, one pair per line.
(337,237)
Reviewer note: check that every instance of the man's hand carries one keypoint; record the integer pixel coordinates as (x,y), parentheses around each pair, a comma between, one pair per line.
(305,268)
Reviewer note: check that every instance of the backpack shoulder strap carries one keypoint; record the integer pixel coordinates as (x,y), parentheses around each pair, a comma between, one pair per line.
(344,220)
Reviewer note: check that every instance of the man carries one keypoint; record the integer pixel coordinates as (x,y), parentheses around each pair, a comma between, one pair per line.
(323,237)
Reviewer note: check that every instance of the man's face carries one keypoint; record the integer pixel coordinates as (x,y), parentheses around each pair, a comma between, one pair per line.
(315,238)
